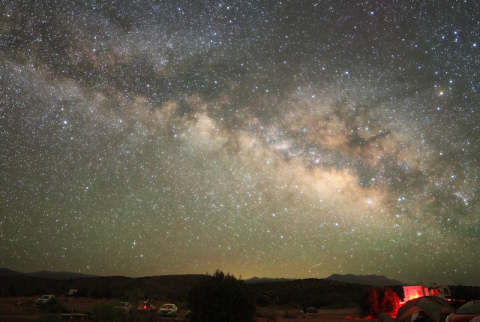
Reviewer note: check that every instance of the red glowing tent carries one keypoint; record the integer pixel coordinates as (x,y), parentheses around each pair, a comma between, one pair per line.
(436,308)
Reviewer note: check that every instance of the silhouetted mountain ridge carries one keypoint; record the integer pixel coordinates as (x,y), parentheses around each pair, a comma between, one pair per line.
(45,274)
(372,280)
(9,272)
(256,279)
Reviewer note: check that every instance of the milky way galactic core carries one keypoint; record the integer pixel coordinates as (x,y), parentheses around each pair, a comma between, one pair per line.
(264,138)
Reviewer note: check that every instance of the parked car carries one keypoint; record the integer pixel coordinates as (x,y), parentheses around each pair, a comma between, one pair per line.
(146,306)
(466,312)
(44,299)
(168,310)
(124,306)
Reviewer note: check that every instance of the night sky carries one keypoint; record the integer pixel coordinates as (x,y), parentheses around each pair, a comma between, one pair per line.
(290,139)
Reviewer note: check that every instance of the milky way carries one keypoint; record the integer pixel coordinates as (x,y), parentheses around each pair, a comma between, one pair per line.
(265,138)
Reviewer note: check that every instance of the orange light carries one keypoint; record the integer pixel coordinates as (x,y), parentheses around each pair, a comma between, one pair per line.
(412,292)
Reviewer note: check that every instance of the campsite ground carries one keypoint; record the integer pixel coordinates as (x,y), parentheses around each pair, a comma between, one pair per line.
(21,309)
(323,315)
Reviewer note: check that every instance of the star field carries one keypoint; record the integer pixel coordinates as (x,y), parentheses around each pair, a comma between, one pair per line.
(280,138)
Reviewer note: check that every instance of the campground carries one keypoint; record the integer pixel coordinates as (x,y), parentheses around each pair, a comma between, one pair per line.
(22,309)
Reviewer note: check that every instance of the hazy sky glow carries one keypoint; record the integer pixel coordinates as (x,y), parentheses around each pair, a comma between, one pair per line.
(292,139)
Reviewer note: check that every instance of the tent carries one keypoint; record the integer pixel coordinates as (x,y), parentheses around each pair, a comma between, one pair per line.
(436,308)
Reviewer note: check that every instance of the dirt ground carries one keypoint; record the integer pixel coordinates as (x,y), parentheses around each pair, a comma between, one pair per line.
(323,315)
(22,309)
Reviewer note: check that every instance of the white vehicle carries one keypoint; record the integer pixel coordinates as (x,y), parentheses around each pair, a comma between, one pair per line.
(44,299)
(168,310)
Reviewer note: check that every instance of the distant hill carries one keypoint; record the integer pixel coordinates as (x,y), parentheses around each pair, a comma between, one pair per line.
(45,274)
(9,272)
(256,279)
(373,280)
(59,275)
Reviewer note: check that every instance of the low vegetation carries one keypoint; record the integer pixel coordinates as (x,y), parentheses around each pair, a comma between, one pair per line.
(378,300)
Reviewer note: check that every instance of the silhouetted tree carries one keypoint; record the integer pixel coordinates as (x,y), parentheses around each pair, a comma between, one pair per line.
(369,305)
(221,298)
(390,302)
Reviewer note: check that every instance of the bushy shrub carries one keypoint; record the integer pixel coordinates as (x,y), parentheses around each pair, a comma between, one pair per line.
(289,314)
(135,295)
(106,312)
(221,298)
(390,302)
(268,313)
(380,300)
(369,306)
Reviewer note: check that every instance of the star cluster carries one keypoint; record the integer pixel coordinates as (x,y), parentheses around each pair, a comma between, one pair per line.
(282,139)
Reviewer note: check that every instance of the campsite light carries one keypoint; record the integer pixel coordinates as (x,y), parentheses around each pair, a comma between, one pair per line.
(413,292)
